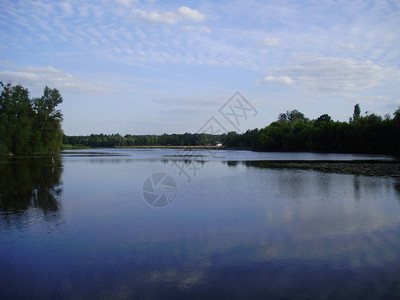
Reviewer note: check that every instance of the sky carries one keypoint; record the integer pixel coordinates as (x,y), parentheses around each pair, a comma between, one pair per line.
(153,67)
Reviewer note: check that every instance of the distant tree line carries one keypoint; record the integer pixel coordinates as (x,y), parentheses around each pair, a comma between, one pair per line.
(368,133)
(29,125)
(116,140)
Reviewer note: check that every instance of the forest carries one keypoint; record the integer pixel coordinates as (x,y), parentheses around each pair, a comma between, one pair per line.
(29,125)
(33,126)
(368,133)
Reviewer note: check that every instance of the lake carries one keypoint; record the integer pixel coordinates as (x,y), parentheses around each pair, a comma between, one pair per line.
(167,223)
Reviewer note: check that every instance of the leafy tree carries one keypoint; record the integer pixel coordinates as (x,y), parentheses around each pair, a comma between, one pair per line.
(45,107)
(323,119)
(16,117)
(29,126)
(397,114)
(292,116)
(356,112)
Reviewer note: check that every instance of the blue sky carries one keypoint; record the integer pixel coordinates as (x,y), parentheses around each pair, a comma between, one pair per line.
(142,67)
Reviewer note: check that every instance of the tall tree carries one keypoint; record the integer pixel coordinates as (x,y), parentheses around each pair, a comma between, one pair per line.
(357,112)
(45,106)
(16,118)
(48,119)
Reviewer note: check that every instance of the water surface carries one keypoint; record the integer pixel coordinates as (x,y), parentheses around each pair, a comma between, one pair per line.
(77,226)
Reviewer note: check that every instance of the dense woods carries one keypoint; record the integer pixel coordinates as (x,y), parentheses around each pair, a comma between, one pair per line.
(368,133)
(29,126)
(33,125)
(292,131)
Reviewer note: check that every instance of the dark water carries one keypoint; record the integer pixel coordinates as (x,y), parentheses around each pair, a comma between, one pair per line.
(78,226)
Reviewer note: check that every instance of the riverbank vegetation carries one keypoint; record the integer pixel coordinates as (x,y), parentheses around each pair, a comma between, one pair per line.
(33,126)
(29,125)
(368,133)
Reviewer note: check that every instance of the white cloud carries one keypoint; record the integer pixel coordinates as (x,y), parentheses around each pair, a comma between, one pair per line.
(268,42)
(183,14)
(17,76)
(187,14)
(282,79)
(332,74)
(38,77)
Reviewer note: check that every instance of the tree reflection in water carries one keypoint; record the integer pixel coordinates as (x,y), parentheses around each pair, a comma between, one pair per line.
(30,183)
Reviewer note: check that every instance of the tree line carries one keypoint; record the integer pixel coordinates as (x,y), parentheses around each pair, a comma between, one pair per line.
(368,133)
(33,125)
(117,140)
(29,125)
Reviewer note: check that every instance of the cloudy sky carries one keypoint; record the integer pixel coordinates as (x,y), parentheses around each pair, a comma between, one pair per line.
(140,67)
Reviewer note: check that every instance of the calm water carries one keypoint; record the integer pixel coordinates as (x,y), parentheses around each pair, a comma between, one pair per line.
(78,226)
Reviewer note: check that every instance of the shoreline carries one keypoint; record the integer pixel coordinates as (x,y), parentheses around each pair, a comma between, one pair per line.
(169,147)
(362,167)
(373,167)
(78,147)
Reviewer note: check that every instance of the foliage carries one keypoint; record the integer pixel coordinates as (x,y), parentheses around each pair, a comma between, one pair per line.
(117,140)
(356,112)
(292,116)
(29,126)
(292,131)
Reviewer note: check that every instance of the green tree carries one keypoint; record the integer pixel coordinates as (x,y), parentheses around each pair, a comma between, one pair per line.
(396,114)
(48,120)
(29,126)
(356,112)
(45,107)
(323,119)
(16,118)
(292,116)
